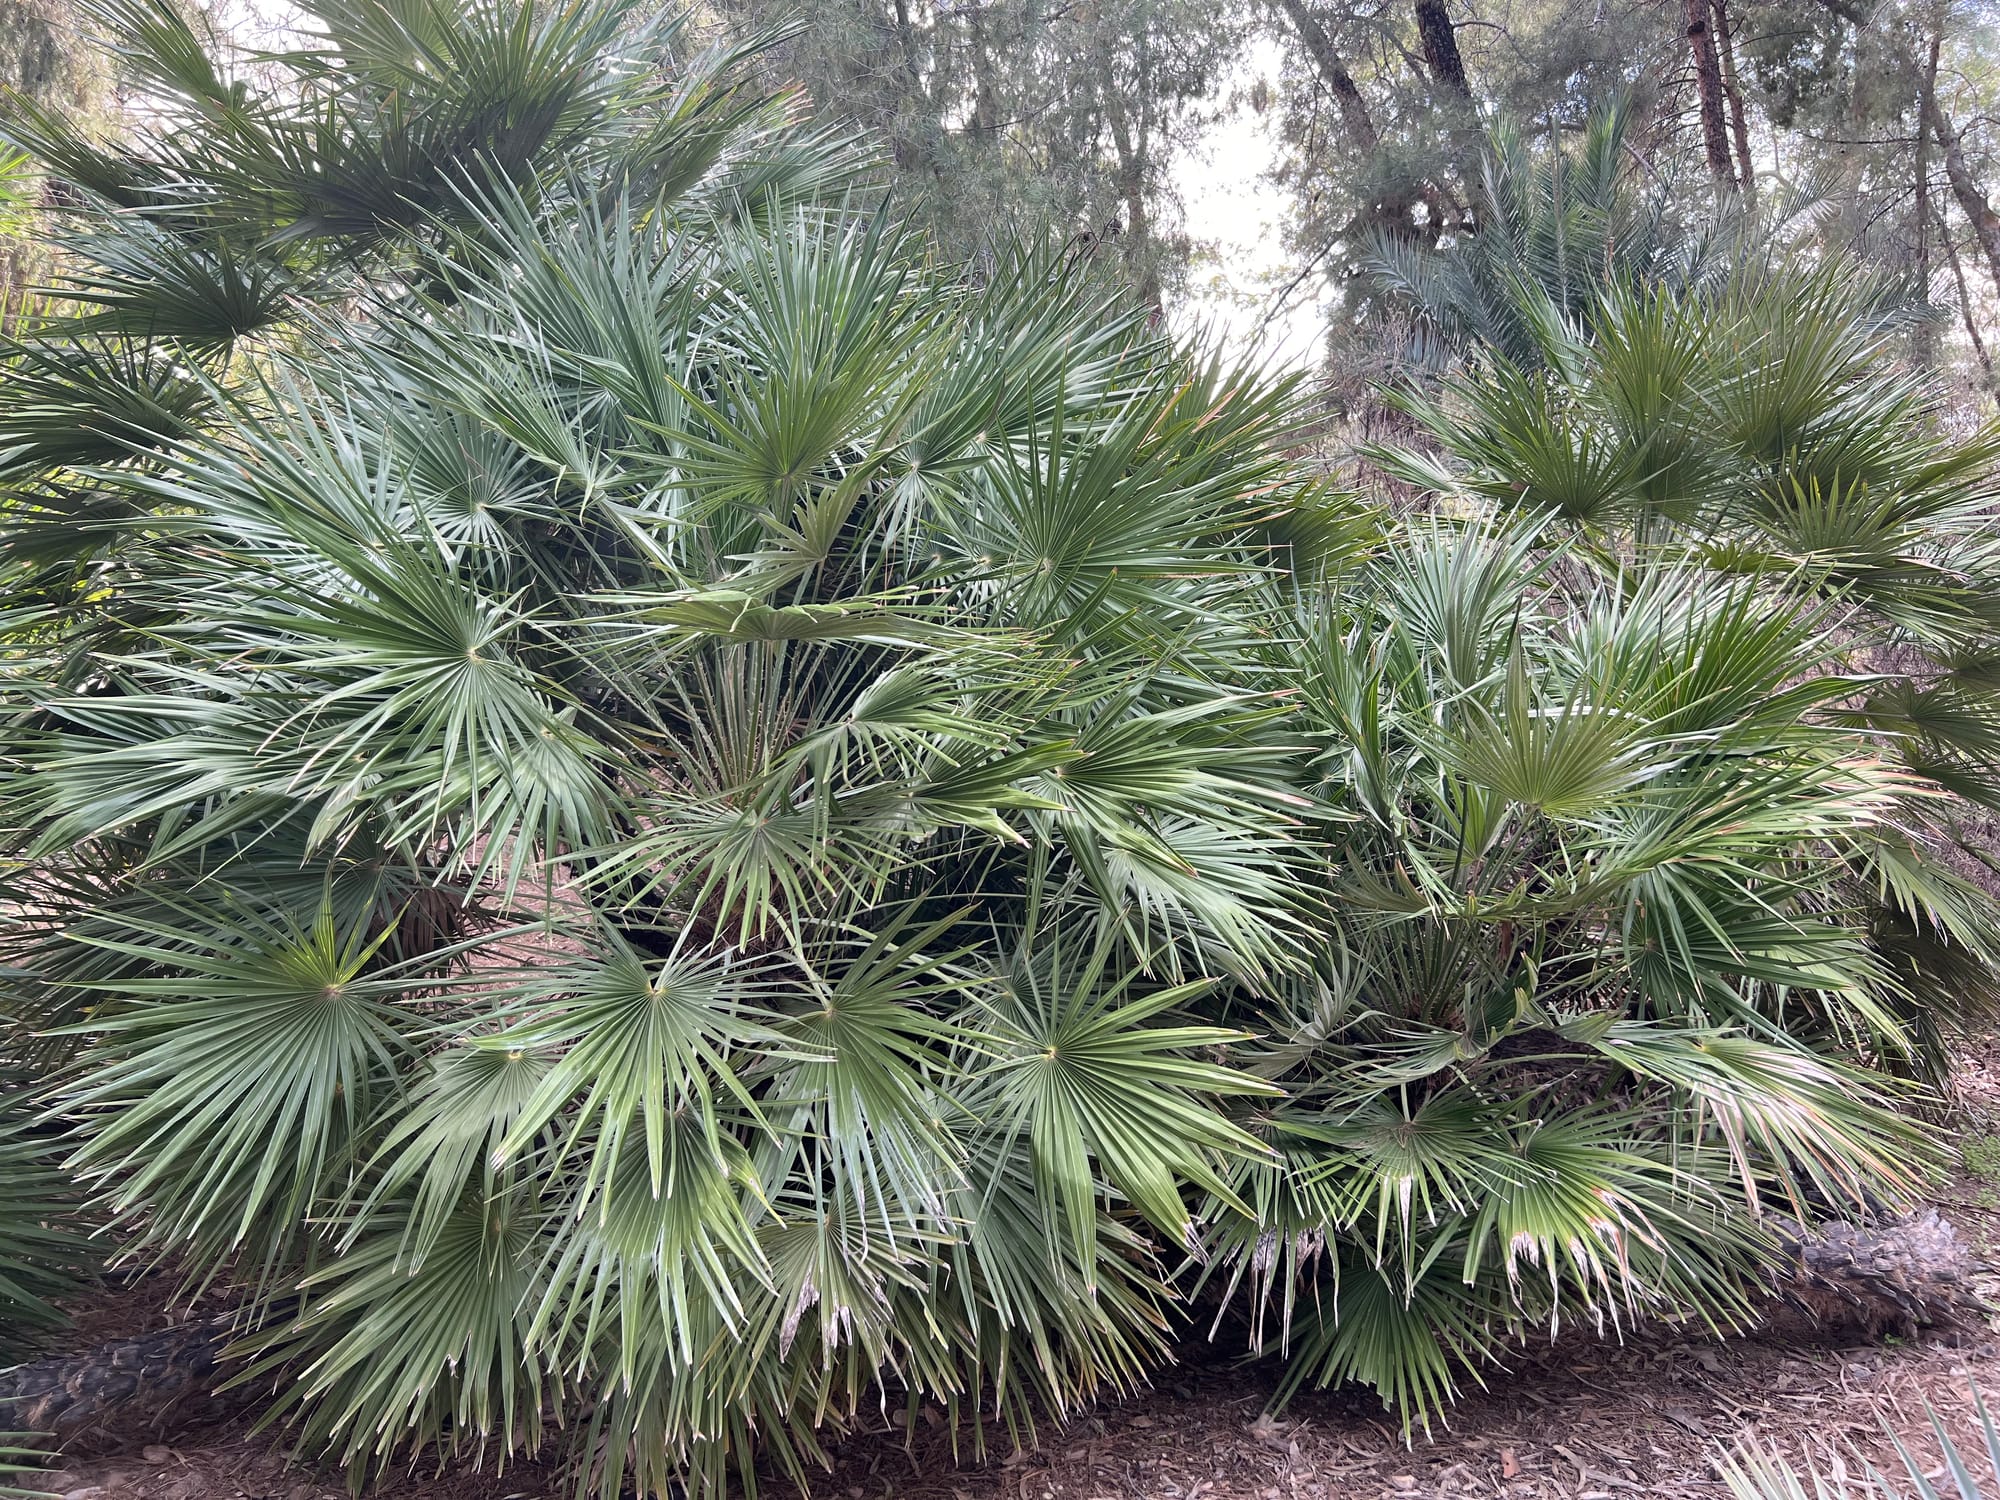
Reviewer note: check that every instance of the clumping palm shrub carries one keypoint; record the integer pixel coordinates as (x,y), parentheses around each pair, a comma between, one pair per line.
(1756,1472)
(652,819)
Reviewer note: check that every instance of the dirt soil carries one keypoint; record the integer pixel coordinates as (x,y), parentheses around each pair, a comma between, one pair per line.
(1587,1420)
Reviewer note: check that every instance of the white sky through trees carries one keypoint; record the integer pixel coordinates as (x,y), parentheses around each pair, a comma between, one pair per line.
(1243,281)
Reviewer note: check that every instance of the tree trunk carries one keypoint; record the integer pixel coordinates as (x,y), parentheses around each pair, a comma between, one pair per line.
(1131,180)
(1964,297)
(1333,73)
(1739,124)
(985,93)
(1920,209)
(909,153)
(1441,55)
(1708,89)
(1972,199)
(1396,207)
(13,289)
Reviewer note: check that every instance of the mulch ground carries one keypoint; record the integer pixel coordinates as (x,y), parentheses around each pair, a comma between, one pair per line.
(1586,1420)
(1582,1422)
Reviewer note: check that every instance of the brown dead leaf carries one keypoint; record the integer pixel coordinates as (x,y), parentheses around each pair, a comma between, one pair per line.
(1270,1433)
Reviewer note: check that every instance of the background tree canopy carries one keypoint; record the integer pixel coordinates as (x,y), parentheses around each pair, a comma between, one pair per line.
(650,805)
(1870,125)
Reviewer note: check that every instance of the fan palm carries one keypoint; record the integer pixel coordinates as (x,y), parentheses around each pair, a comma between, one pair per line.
(1553,230)
(649,817)
(1557,229)
(1754,1472)
(1764,432)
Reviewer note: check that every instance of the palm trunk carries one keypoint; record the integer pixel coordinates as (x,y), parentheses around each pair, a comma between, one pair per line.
(133,1383)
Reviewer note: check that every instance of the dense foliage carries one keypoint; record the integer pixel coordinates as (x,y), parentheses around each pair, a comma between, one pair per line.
(651,818)
(1094,120)
(1013,118)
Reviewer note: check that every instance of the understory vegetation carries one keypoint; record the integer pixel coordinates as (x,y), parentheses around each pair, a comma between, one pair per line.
(652,818)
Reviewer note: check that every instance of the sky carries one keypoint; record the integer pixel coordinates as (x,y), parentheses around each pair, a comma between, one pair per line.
(1235,213)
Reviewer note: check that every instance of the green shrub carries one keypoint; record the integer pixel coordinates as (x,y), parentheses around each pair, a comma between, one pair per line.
(652,818)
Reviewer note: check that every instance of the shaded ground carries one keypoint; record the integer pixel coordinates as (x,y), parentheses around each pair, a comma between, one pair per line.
(1586,1421)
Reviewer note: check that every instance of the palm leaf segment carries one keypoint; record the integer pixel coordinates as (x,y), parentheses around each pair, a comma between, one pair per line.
(652,818)
(1756,421)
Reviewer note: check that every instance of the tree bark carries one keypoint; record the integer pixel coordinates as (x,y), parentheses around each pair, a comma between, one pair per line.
(1326,60)
(1920,209)
(13,290)
(985,93)
(1739,124)
(1964,296)
(1972,199)
(1441,54)
(1131,179)
(1708,90)
(909,153)
(1395,208)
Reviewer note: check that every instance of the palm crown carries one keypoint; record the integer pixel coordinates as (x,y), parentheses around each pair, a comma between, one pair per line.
(640,810)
